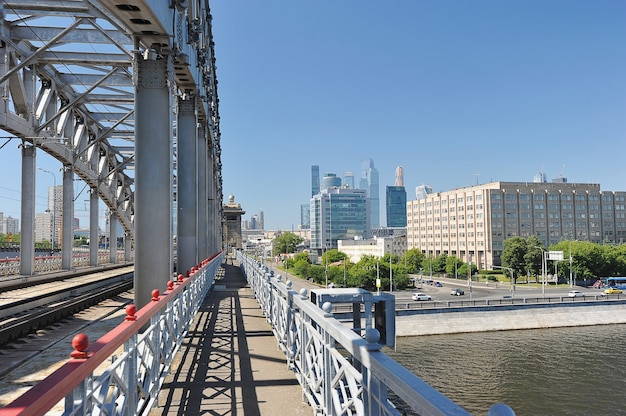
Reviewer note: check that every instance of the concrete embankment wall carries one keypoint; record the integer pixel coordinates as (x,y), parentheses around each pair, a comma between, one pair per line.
(508,317)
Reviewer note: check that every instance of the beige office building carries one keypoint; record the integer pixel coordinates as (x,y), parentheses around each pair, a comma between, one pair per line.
(473,222)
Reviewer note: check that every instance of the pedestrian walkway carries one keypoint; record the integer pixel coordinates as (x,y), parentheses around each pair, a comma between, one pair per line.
(230,363)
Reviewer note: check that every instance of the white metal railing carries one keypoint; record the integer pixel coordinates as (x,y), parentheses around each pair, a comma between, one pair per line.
(130,385)
(341,372)
(52,262)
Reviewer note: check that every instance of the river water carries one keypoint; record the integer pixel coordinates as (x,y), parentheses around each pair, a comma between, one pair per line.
(558,371)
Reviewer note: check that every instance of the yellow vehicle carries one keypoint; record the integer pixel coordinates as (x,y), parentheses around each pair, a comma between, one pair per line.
(612,291)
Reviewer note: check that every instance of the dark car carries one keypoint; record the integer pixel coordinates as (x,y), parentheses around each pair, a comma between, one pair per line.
(457,292)
(438,284)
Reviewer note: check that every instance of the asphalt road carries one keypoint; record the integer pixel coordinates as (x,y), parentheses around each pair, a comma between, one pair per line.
(478,291)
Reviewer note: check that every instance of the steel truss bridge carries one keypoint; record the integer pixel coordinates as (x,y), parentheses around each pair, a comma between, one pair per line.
(124,95)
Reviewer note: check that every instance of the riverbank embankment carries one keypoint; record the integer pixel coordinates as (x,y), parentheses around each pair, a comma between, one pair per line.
(508,317)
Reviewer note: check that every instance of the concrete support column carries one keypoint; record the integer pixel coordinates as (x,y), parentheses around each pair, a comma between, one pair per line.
(94,237)
(153,176)
(203,220)
(67,220)
(187,184)
(27,230)
(113,238)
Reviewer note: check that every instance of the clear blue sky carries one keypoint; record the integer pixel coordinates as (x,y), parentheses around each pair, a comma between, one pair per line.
(455,92)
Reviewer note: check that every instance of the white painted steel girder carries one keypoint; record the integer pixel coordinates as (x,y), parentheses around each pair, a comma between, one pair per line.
(67,82)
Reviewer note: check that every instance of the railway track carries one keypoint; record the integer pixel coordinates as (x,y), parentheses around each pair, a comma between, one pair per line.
(39,321)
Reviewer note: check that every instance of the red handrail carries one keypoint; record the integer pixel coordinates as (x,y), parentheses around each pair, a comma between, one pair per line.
(44,395)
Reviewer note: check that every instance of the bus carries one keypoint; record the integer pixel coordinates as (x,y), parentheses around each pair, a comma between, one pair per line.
(616,282)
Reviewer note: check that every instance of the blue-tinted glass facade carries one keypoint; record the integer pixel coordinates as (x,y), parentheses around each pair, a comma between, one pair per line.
(396,206)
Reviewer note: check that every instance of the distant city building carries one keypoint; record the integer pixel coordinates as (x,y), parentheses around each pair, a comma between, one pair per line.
(396,206)
(396,201)
(338,214)
(422,191)
(348,179)
(55,207)
(369,182)
(254,223)
(378,246)
(261,220)
(472,223)
(399,176)
(10,225)
(43,227)
(330,180)
(305,216)
(315,180)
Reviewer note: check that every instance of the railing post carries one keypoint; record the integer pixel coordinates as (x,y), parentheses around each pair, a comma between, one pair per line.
(328,363)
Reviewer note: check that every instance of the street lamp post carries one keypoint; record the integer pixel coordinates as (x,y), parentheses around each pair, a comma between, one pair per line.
(390,274)
(54,206)
(469,275)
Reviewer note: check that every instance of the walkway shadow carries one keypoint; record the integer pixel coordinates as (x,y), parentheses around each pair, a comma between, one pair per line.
(229,364)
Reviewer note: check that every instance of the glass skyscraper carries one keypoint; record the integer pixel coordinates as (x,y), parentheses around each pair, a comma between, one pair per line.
(396,206)
(369,182)
(338,214)
(315,180)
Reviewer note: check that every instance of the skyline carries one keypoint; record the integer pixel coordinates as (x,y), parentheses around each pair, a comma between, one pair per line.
(433,87)
(457,93)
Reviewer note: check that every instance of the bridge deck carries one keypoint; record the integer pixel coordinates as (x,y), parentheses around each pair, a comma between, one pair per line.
(230,363)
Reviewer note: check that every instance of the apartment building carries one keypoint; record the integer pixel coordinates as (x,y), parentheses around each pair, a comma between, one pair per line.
(472,223)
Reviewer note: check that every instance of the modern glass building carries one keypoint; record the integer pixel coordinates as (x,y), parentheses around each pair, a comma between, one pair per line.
(315,180)
(329,180)
(305,216)
(369,182)
(396,206)
(338,214)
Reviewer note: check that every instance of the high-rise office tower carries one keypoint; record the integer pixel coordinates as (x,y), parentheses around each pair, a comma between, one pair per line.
(396,201)
(329,180)
(369,182)
(305,216)
(338,214)
(348,179)
(422,191)
(315,180)
(261,220)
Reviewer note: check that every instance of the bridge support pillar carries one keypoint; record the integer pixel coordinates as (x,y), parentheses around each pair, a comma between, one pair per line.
(113,238)
(203,232)
(93,227)
(153,174)
(27,231)
(68,218)
(187,184)
(128,246)
(213,200)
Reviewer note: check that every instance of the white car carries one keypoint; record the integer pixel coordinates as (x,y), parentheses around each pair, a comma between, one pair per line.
(421,296)
(575,294)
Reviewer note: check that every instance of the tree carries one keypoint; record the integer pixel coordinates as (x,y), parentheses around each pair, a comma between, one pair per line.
(286,243)
(534,255)
(413,259)
(452,265)
(513,255)
(332,256)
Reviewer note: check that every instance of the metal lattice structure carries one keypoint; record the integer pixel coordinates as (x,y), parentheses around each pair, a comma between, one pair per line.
(341,372)
(68,88)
